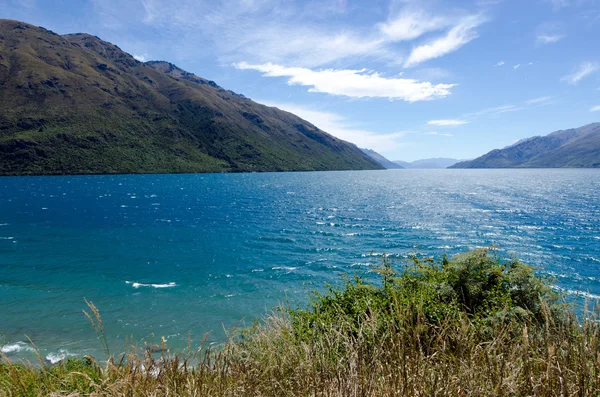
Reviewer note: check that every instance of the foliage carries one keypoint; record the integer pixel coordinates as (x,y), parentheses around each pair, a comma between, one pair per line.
(472,325)
(477,285)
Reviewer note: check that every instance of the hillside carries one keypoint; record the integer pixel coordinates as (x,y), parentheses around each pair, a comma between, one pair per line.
(438,162)
(75,104)
(578,147)
(381,160)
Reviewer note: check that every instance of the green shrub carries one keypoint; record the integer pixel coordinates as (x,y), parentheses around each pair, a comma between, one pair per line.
(477,286)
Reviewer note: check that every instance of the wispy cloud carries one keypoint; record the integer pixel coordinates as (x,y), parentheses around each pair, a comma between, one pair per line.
(437,133)
(547,39)
(517,66)
(151,12)
(493,111)
(582,71)
(595,109)
(298,33)
(410,25)
(306,47)
(353,83)
(457,37)
(232,30)
(550,32)
(447,122)
(497,111)
(501,63)
(338,126)
(539,100)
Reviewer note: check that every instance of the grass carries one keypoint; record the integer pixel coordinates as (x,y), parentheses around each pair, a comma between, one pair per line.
(473,325)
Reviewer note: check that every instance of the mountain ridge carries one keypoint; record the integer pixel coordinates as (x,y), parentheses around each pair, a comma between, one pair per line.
(75,104)
(571,148)
(390,165)
(430,163)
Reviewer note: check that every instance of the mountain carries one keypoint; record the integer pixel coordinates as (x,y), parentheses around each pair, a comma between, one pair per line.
(381,160)
(438,162)
(75,104)
(578,147)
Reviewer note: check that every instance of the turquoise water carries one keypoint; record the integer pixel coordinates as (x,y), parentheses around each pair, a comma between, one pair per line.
(179,255)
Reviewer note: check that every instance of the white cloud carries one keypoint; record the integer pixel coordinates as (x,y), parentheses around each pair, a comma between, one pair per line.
(501,63)
(410,25)
(304,46)
(517,66)
(492,111)
(232,30)
(446,122)
(437,133)
(595,109)
(496,111)
(503,109)
(458,36)
(547,39)
(141,58)
(539,100)
(301,33)
(581,72)
(550,32)
(338,126)
(353,83)
(150,9)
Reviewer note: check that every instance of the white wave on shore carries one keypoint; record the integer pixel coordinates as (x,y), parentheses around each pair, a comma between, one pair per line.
(16,348)
(581,294)
(135,284)
(54,358)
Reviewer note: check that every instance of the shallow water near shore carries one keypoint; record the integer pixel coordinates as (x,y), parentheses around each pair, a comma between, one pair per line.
(179,255)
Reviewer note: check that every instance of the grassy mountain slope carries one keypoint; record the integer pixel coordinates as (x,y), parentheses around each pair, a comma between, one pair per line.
(578,147)
(75,104)
(381,160)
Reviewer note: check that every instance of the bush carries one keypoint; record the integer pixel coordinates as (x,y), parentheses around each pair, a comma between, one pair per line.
(477,286)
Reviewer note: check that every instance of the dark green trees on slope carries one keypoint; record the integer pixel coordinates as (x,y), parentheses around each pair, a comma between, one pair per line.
(75,104)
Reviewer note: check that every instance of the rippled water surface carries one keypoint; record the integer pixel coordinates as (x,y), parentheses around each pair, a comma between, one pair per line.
(180,255)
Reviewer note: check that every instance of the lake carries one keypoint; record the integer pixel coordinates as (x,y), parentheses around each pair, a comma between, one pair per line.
(181,255)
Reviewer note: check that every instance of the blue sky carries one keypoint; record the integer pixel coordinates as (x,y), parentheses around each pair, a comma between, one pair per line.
(410,79)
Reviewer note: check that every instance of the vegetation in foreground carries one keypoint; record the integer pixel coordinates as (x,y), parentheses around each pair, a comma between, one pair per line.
(475,325)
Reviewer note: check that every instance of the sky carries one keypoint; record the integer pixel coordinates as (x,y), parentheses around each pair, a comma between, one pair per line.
(410,79)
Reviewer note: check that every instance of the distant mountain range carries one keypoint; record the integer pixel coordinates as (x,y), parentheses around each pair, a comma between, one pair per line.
(439,162)
(578,147)
(75,104)
(381,160)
